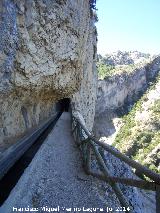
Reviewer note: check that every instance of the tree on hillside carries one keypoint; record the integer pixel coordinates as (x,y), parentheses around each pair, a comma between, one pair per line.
(93,4)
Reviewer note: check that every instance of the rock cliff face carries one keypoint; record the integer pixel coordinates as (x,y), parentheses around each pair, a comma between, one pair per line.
(85,99)
(47,52)
(129,122)
(140,131)
(113,92)
(118,93)
(124,88)
(137,133)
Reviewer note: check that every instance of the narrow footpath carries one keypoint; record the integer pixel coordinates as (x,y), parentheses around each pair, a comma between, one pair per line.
(55,177)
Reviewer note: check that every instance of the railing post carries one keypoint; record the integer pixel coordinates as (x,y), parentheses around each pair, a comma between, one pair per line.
(78,134)
(87,143)
(144,170)
(157,198)
(123,201)
(88,158)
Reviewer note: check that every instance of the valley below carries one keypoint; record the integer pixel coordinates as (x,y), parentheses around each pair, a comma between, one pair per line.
(128,105)
(56,94)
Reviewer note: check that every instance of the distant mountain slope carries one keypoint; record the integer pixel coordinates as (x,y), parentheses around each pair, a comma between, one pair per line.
(120,87)
(139,136)
(120,62)
(124,58)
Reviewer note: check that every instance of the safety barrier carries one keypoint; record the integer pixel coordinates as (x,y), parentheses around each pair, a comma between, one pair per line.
(89,144)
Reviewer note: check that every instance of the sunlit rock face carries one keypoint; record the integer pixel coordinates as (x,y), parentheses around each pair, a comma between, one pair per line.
(47,52)
(115,91)
(84,100)
(125,88)
(118,93)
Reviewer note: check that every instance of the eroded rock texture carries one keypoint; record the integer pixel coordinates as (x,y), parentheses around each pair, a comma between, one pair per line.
(118,93)
(47,52)
(124,89)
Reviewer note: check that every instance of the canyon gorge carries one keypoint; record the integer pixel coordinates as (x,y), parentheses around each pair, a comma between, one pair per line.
(48,56)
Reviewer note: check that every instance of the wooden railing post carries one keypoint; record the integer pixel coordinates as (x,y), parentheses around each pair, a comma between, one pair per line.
(157,198)
(88,159)
(76,133)
(114,185)
(87,141)
(142,169)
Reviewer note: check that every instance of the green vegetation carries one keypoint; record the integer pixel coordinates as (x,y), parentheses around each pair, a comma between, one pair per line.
(156,115)
(156,107)
(92,4)
(147,141)
(128,124)
(105,71)
(138,139)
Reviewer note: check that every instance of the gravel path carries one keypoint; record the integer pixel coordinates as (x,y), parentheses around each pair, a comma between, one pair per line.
(55,177)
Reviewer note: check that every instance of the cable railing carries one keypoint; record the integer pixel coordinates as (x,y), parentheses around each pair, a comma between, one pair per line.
(89,145)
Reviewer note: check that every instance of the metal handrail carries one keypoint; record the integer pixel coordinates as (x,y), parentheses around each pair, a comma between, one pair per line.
(86,141)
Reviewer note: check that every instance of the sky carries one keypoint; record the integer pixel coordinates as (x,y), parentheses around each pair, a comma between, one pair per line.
(128,25)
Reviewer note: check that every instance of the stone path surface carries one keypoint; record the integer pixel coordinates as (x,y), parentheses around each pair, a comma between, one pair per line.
(55,177)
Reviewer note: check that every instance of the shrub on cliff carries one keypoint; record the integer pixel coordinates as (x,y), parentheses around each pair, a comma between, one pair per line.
(92,4)
(140,134)
(104,70)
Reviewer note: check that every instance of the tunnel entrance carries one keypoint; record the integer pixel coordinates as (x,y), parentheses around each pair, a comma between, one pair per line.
(64,105)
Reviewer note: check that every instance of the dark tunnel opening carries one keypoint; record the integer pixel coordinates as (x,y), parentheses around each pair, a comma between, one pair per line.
(64,105)
(10,179)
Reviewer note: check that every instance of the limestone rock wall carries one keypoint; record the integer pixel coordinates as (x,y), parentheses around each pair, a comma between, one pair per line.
(116,96)
(84,99)
(47,50)
(114,92)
